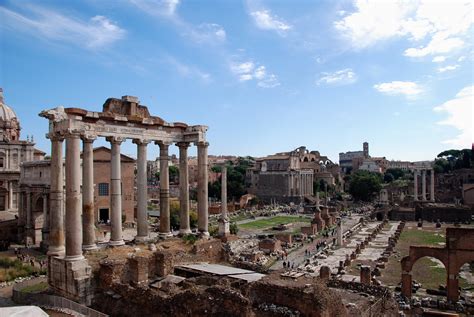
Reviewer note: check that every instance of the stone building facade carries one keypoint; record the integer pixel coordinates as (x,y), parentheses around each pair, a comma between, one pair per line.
(346,158)
(13,152)
(289,176)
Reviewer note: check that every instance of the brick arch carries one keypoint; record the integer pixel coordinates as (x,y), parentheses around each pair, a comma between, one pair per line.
(417,253)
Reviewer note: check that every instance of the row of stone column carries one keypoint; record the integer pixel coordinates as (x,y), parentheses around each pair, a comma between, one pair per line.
(423,185)
(80,233)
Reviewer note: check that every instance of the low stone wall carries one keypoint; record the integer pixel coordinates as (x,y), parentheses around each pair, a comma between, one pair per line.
(373,290)
(50,301)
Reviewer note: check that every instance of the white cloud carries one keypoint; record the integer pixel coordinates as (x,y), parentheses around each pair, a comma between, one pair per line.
(246,71)
(439,44)
(208,32)
(460,116)
(157,7)
(260,72)
(461,58)
(269,81)
(407,88)
(340,77)
(97,32)
(447,68)
(439,59)
(266,21)
(445,26)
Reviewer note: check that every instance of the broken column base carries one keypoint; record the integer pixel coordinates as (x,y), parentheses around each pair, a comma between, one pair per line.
(71,279)
(224,227)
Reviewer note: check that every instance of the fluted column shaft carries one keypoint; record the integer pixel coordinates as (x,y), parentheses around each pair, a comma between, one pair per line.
(203,221)
(415,184)
(423,185)
(185,226)
(73,198)
(164,190)
(432,190)
(88,208)
(56,198)
(116,237)
(142,191)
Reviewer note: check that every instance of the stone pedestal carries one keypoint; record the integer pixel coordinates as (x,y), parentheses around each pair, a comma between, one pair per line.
(326,217)
(340,241)
(318,221)
(365,277)
(71,279)
(324,272)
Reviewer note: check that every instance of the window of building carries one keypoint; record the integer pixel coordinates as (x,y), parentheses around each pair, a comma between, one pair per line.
(104,189)
(1,161)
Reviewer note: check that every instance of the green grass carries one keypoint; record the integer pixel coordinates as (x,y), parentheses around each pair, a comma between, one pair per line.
(274,221)
(11,269)
(239,217)
(35,288)
(419,237)
(425,270)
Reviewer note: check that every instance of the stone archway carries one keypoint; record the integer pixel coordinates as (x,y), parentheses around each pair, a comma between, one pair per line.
(459,250)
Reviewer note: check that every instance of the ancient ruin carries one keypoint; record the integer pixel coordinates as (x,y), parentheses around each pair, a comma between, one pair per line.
(121,119)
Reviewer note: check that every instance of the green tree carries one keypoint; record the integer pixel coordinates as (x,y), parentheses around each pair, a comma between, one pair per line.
(396,172)
(174,174)
(388,177)
(364,185)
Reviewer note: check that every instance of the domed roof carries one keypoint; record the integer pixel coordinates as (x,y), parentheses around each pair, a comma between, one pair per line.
(6,113)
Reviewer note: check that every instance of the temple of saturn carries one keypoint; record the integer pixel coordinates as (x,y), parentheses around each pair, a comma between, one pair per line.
(423,172)
(72,229)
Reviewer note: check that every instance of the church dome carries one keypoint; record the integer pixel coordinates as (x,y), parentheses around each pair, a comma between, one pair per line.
(6,113)
(9,123)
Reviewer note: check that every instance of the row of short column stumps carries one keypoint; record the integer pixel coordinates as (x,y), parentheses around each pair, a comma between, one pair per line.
(366,275)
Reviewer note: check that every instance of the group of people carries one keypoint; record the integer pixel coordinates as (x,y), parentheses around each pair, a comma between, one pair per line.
(22,256)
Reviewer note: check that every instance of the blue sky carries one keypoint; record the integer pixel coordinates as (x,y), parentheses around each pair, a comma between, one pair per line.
(265,76)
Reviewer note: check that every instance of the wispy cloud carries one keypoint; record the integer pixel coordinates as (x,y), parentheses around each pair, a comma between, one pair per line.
(341,77)
(208,32)
(447,68)
(186,70)
(444,28)
(406,88)
(248,70)
(204,33)
(266,21)
(94,33)
(460,114)
(157,7)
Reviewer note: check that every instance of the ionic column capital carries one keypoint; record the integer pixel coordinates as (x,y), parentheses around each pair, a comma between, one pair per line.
(184,145)
(115,139)
(72,134)
(88,138)
(202,144)
(163,144)
(141,141)
(55,136)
